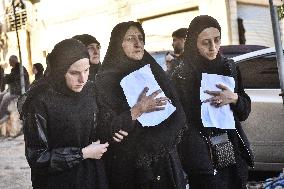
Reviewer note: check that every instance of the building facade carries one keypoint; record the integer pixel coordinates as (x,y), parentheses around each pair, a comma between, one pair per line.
(47,22)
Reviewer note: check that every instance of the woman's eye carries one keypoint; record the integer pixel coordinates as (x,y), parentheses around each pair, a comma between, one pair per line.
(217,40)
(205,43)
(130,38)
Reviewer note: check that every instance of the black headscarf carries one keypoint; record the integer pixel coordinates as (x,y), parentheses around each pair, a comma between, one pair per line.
(86,39)
(115,58)
(63,55)
(39,68)
(192,58)
(115,67)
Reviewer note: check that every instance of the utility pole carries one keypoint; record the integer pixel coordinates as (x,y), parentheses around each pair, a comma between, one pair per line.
(278,45)
(19,49)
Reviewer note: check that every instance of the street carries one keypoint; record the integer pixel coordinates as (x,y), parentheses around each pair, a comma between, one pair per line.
(14,169)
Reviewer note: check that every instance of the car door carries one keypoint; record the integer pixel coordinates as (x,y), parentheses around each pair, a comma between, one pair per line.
(265,125)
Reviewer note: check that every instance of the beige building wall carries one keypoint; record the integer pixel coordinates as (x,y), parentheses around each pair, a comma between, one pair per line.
(51,21)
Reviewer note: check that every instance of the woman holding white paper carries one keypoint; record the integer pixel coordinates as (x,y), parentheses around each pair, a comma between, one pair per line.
(147,157)
(215,152)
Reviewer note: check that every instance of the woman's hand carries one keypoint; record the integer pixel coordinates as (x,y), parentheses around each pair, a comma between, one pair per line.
(118,137)
(94,150)
(148,103)
(221,98)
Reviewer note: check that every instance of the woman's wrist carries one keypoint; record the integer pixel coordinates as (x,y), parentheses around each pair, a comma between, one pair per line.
(235,98)
(136,111)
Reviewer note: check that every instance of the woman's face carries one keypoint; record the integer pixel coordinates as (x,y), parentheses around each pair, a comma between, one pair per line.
(208,43)
(133,43)
(77,75)
(34,70)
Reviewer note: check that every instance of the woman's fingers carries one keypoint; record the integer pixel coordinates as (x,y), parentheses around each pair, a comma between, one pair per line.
(143,93)
(213,93)
(222,87)
(116,139)
(119,136)
(123,133)
(155,93)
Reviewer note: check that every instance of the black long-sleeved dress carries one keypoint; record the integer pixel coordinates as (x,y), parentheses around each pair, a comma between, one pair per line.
(147,157)
(195,148)
(57,125)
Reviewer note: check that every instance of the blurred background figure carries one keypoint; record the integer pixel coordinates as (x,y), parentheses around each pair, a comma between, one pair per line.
(38,71)
(94,48)
(14,79)
(173,60)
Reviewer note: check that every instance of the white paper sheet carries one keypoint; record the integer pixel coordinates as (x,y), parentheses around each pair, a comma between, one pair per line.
(134,83)
(221,117)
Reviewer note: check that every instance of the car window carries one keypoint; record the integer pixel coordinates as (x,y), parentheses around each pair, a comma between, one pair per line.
(160,59)
(260,73)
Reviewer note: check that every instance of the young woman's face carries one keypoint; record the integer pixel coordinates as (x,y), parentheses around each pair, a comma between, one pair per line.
(77,75)
(208,43)
(133,43)
(34,70)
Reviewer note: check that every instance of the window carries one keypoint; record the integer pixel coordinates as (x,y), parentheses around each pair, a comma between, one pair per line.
(21,17)
(260,73)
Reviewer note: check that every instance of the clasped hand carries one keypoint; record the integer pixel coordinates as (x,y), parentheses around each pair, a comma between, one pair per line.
(94,150)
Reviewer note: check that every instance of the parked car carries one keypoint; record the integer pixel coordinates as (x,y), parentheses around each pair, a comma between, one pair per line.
(265,125)
(159,56)
(235,50)
(227,51)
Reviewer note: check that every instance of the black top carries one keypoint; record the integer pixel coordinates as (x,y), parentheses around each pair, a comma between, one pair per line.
(94,68)
(56,127)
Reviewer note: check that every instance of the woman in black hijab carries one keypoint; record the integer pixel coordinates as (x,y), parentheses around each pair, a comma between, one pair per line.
(198,153)
(147,157)
(59,122)
(38,70)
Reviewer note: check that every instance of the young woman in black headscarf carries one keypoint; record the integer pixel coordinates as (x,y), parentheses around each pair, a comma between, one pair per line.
(147,157)
(59,120)
(94,48)
(38,70)
(198,153)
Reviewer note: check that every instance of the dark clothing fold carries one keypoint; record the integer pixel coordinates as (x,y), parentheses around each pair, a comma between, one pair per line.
(94,68)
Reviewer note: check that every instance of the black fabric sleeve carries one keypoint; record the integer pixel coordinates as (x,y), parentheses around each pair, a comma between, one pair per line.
(243,106)
(110,121)
(41,158)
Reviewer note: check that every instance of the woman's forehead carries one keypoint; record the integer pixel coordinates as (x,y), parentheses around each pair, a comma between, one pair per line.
(133,30)
(209,33)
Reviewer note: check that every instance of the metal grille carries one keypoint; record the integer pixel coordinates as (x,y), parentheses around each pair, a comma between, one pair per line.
(21,17)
